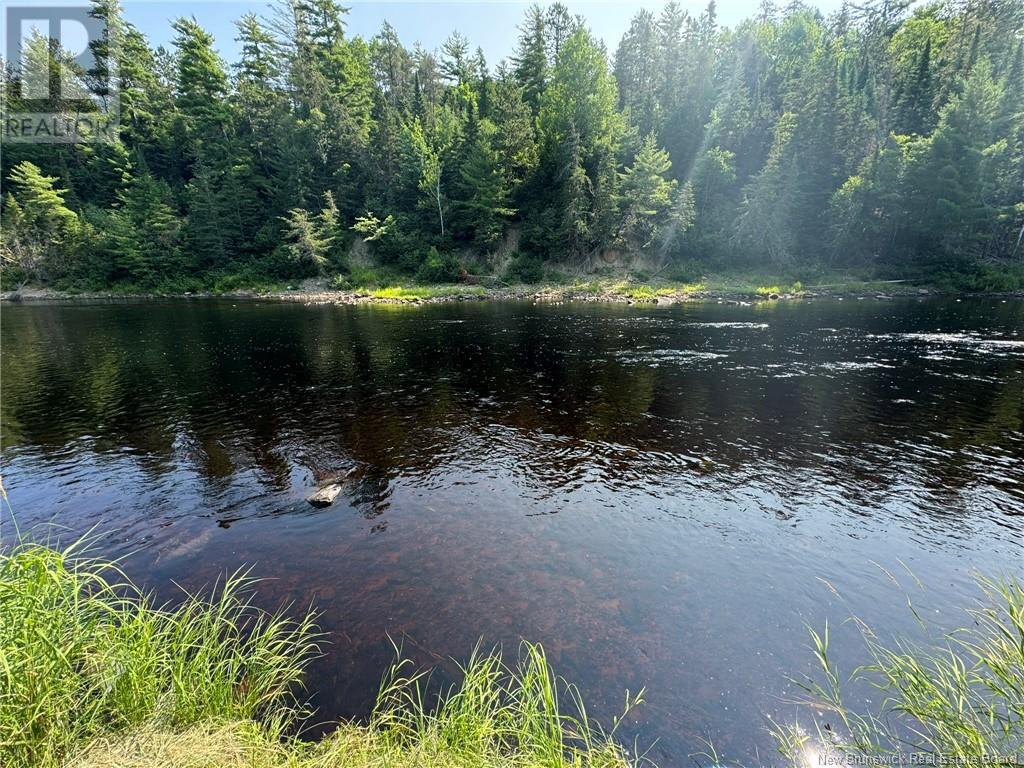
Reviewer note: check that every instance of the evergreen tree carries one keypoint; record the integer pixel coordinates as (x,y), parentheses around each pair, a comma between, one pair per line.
(304,243)
(559,25)
(41,234)
(145,233)
(638,73)
(580,129)
(770,202)
(515,141)
(949,210)
(455,62)
(915,101)
(483,204)
(531,58)
(882,135)
(202,87)
(647,197)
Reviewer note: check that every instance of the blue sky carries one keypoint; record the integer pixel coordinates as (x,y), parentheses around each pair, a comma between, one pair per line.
(491,25)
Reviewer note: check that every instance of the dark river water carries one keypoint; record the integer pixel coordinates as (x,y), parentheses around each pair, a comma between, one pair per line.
(664,497)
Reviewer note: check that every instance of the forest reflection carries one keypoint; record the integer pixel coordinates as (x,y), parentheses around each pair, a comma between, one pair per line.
(623,397)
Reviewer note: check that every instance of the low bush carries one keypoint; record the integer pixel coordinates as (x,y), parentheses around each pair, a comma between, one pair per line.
(438,268)
(524,268)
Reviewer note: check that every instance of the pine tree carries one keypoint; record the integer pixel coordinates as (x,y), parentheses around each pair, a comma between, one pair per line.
(145,234)
(670,54)
(769,208)
(915,102)
(260,53)
(514,141)
(482,193)
(41,233)
(574,199)
(202,86)
(531,58)
(559,25)
(646,196)
(580,130)
(638,73)
(715,192)
(392,66)
(304,241)
(948,208)
(455,62)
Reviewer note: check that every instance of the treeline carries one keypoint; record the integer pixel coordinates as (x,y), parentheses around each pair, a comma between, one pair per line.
(878,138)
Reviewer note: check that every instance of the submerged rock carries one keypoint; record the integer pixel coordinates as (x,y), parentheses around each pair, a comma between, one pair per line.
(325,495)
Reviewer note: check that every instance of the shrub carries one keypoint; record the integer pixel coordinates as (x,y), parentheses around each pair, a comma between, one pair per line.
(525,268)
(438,268)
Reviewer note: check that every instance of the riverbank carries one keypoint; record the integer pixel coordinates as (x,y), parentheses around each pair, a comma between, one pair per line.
(608,291)
(96,675)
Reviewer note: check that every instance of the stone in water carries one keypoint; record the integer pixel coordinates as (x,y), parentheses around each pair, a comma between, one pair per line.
(325,495)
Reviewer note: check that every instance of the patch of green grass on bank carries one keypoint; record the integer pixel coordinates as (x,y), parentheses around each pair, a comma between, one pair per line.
(753,285)
(639,291)
(979,278)
(795,289)
(421,292)
(962,698)
(648,292)
(97,676)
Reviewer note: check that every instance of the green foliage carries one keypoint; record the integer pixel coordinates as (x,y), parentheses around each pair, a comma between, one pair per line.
(531,59)
(312,242)
(890,139)
(654,209)
(305,242)
(438,268)
(145,234)
(482,190)
(981,278)
(95,675)
(85,654)
(525,268)
(360,275)
(41,234)
(414,293)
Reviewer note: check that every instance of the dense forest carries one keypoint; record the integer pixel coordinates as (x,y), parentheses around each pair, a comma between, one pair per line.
(884,138)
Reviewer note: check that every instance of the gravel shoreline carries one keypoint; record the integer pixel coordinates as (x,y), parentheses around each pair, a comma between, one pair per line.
(546,294)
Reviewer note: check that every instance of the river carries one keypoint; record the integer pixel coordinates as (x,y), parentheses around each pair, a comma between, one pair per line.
(664,497)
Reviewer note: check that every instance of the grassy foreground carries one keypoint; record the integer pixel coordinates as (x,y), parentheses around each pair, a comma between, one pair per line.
(94,674)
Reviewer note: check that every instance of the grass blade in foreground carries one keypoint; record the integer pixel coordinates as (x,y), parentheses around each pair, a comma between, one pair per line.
(962,700)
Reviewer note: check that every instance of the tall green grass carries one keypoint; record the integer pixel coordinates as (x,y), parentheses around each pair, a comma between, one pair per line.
(962,699)
(95,675)
(83,652)
(519,715)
